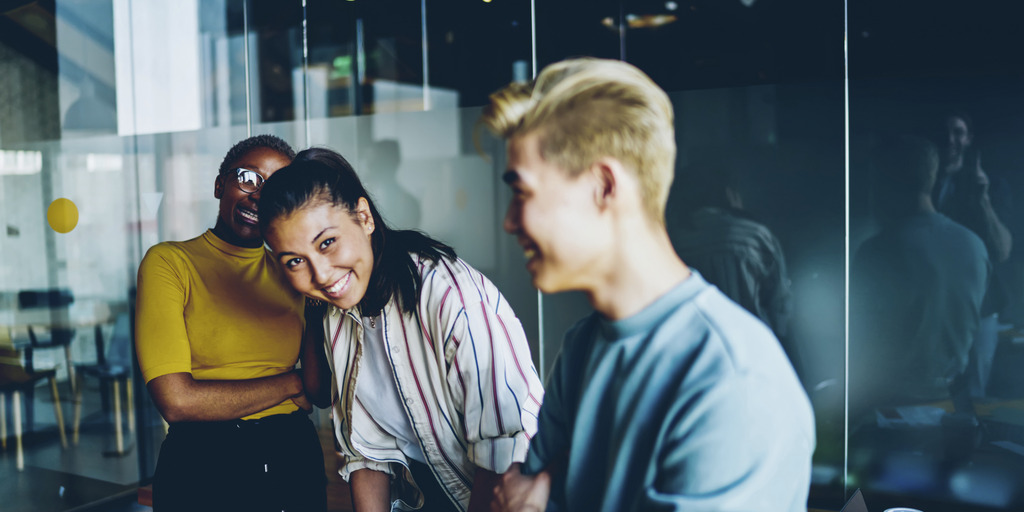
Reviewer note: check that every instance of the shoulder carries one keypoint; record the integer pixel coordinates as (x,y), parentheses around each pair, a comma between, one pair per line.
(168,253)
(958,234)
(715,329)
(733,351)
(728,229)
(452,275)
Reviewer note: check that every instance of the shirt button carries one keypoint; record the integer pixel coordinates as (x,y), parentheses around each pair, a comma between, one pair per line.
(408,401)
(395,349)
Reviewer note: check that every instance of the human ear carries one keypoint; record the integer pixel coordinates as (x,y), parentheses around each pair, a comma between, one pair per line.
(364,215)
(605,174)
(218,186)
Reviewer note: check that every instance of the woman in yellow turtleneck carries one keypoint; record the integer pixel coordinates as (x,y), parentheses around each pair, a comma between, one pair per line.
(218,335)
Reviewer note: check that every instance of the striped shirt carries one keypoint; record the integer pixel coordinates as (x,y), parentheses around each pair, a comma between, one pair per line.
(463,368)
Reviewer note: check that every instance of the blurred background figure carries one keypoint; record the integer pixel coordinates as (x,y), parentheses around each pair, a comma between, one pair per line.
(712,233)
(382,180)
(971,197)
(916,287)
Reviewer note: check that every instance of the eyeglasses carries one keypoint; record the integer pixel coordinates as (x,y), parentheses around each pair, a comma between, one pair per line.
(249,181)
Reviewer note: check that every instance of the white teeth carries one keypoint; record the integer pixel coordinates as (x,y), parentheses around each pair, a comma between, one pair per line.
(338,286)
(249,215)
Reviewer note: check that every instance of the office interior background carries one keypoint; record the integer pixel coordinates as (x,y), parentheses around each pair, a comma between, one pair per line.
(125,108)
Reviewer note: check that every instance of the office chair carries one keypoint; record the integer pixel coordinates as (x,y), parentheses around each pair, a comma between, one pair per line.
(113,367)
(17,376)
(47,337)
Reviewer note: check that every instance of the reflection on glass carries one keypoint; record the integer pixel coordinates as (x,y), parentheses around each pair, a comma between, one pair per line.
(916,288)
(947,434)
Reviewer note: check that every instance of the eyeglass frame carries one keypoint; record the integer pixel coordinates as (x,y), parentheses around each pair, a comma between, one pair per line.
(238,179)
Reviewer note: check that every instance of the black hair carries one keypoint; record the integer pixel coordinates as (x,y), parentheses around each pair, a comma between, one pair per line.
(964,116)
(906,164)
(705,183)
(239,150)
(902,168)
(321,174)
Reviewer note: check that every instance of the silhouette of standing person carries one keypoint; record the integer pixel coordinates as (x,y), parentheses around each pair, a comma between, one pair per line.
(403,208)
(971,197)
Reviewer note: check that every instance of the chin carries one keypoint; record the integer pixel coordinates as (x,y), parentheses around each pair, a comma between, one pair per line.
(343,304)
(546,286)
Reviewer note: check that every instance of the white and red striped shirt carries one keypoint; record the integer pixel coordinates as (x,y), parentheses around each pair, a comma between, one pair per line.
(463,368)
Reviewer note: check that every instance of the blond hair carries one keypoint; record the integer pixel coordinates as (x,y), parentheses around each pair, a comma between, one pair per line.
(585,109)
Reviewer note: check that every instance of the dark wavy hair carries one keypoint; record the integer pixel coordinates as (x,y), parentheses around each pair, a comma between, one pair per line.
(322,175)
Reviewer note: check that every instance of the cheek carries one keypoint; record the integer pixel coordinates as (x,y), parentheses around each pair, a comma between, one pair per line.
(296,280)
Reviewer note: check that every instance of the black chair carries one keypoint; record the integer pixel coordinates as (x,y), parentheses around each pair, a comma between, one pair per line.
(49,336)
(17,377)
(113,367)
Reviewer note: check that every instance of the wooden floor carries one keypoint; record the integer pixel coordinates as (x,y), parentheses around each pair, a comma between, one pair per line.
(339,495)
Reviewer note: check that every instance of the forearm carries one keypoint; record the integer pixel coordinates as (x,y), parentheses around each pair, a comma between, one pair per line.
(483,489)
(316,371)
(371,491)
(179,397)
(998,238)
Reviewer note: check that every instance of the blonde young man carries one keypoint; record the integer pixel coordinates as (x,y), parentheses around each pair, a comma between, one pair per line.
(670,396)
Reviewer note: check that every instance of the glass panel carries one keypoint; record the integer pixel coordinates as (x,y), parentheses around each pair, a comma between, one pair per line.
(275,58)
(758,99)
(124,110)
(935,110)
(68,211)
(418,152)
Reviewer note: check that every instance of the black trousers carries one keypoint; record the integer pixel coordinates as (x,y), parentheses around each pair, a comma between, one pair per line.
(435,498)
(271,464)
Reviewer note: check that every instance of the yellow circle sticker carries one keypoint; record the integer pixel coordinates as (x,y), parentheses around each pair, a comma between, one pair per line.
(62,215)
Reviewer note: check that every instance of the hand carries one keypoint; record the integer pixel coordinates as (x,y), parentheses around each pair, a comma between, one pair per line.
(979,181)
(521,493)
(303,402)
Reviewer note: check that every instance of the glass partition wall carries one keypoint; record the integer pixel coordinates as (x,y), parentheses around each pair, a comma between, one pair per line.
(115,114)
(935,288)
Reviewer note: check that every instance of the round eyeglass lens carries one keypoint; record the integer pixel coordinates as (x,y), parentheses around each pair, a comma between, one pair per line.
(249,181)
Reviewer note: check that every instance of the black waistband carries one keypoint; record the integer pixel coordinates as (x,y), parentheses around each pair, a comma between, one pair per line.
(240,425)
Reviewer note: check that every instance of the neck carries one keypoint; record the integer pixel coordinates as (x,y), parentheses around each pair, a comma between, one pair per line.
(906,208)
(924,203)
(226,234)
(954,165)
(643,267)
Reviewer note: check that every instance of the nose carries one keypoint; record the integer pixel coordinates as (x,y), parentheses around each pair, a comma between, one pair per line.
(318,271)
(511,223)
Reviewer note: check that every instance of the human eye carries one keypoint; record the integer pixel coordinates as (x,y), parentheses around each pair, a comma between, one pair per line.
(326,243)
(249,177)
(292,263)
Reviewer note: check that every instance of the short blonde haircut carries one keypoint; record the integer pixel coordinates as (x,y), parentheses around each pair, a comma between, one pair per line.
(585,109)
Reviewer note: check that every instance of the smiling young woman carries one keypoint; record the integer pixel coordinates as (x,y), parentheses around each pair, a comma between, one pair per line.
(435,393)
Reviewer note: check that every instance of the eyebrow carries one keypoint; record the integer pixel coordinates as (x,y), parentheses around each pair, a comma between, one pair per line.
(510,176)
(318,235)
(289,253)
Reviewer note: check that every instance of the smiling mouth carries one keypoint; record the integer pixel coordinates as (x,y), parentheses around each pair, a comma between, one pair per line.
(248,215)
(335,289)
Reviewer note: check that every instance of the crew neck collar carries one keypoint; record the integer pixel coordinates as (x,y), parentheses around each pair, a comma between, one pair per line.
(234,250)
